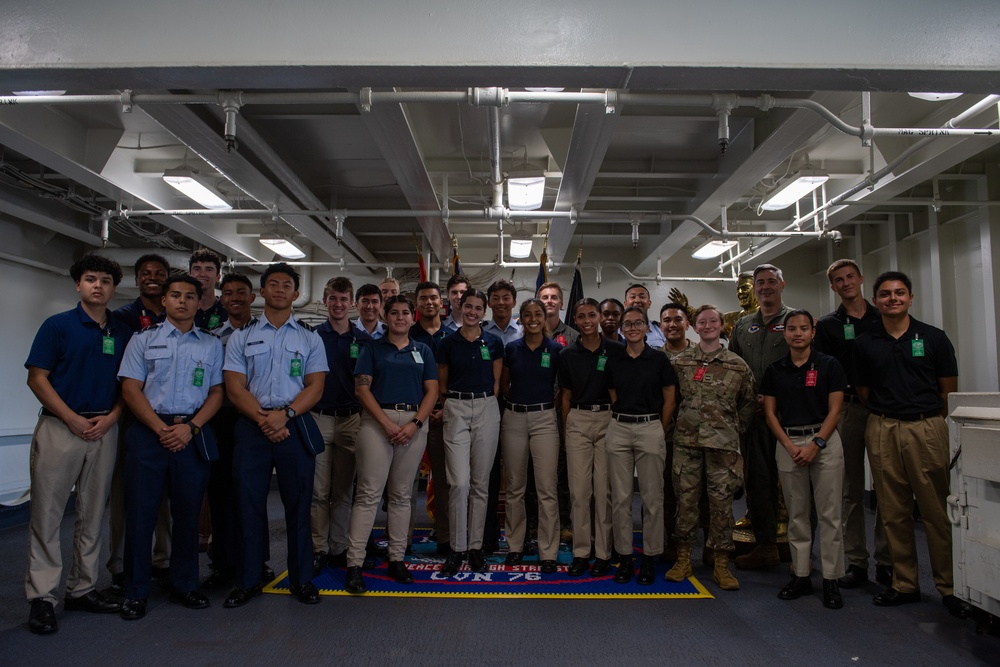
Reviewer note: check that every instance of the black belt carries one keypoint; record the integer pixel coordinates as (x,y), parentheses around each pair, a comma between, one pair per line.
(399,407)
(591,407)
(803,430)
(634,419)
(907,418)
(536,407)
(88,415)
(468,395)
(338,413)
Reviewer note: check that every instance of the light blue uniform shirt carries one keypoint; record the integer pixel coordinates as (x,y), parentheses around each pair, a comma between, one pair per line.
(379,328)
(167,362)
(508,335)
(265,354)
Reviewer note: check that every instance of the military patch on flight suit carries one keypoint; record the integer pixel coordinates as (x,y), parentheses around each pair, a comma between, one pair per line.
(753,328)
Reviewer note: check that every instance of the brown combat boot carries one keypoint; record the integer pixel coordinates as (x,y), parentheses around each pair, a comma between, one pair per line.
(763,555)
(682,568)
(723,577)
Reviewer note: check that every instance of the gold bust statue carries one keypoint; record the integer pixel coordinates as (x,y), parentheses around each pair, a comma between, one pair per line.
(744,293)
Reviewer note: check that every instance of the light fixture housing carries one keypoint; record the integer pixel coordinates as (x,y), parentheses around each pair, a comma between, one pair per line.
(195,186)
(935,97)
(520,244)
(281,246)
(712,248)
(525,189)
(801,184)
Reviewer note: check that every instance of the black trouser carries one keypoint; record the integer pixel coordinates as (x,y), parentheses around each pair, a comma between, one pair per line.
(761,480)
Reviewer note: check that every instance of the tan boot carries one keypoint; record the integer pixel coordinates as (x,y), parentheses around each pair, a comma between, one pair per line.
(723,577)
(763,555)
(682,568)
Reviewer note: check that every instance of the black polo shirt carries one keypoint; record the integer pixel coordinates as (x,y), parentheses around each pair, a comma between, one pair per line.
(802,393)
(470,363)
(211,318)
(902,374)
(836,333)
(342,353)
(431,340)
(639,381)
(583,374)
(532,372)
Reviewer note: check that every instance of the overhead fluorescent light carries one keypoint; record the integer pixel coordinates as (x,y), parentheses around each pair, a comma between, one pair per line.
(520,244)
(713,248)
(39,93)
(190,183)
(525,189)
(935,97)
(282,246)
(795,189)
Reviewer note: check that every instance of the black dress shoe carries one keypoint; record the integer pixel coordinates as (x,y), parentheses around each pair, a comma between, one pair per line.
(855,577)
(577,567)
(625,570)
(452,564)
(514,558)
(399,573)
(883,575)
(831,594)
(600,568)
(890,597)
(192,599)
(338,560)
(477,561)
(240,596)
(42,617)
(266,574)
(133,610)
(355,584)
(956,607)
(320,559)
(306,593)
(549,567)
(647,571)
(796,588)
(93,602)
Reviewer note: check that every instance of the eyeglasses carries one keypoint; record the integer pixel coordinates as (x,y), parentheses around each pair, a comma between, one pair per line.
(636,324)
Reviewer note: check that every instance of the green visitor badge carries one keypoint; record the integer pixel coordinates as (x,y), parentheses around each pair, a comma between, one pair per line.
(917,347)
(213,321)
(296,371)
(546,360)
(484,352)
(354,350)
(199,377)
(602,361)
(109,345)
(848,332)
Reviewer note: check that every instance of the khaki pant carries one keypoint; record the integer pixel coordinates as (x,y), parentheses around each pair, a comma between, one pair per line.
(853,420)
(471,429)
(910,459)
(60,460)
(383,467)
(825,476)
(534,435)
(640,448)
(720,472)
(333,483)
(587,471)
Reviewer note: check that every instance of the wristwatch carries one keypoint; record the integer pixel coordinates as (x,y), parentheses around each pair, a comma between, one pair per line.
(820,442)
(290,412)
(416,421)
(195,429)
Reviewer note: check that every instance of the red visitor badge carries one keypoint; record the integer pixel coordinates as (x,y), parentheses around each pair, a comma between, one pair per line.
(700,373)
(811,378)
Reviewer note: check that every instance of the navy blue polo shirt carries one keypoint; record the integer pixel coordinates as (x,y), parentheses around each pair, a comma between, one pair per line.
(802,393)
(71,347)
(338,389)
(431,340)
(468,371)
(639,381)
(137,317)
(398,376)
(580,371)
(901,374)
(836,333)
(532,372)
(211,318)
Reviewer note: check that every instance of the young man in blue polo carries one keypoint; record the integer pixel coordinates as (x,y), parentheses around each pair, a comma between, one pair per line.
(71,370)
(172,382)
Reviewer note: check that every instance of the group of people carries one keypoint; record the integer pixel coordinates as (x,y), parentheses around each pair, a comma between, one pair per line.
(211,401)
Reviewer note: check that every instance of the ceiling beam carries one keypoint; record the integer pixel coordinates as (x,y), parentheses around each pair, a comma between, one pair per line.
(389,126)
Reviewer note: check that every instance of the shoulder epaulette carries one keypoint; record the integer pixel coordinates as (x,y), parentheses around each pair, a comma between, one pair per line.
(210,332)
(307,327)
(151,327)
(253,321)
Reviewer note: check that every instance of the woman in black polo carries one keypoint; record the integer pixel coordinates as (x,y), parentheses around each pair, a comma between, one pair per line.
(469,365)
(803,394)
(395,380)
(530,430)
(642,384)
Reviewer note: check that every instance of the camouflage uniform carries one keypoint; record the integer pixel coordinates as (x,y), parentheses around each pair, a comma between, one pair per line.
(715,408)
(760,343)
